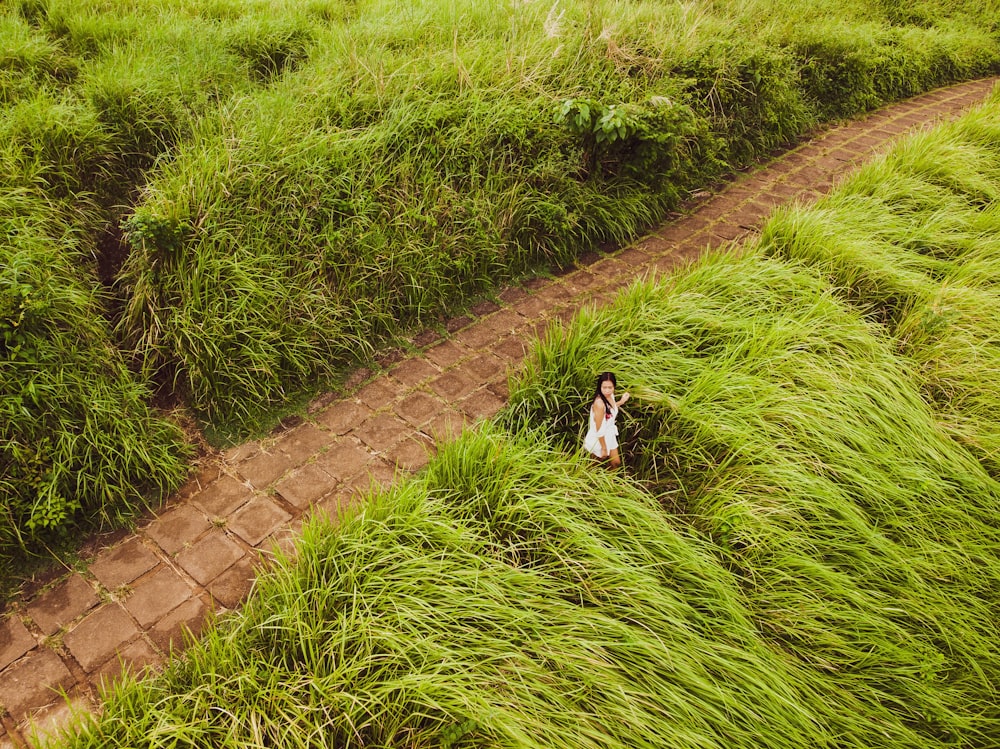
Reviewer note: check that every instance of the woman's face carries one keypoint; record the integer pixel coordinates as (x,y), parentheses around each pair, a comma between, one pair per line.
(608,389)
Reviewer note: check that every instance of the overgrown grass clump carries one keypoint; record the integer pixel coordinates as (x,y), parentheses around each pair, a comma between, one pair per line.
(802,551)
(79,444)
(515,596)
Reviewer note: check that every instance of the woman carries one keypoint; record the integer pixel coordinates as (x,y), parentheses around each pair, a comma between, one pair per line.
(602,436)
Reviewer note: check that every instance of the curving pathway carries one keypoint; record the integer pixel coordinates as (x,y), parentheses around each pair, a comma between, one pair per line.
(140,594)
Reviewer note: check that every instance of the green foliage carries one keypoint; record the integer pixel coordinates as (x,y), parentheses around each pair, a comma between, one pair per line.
(913,241)
(750,94)
(78,443)
(658,142)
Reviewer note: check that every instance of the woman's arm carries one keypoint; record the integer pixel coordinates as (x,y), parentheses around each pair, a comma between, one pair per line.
(621,401)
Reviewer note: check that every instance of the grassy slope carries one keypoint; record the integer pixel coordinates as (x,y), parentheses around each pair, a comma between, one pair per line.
(802,553)
(418,158)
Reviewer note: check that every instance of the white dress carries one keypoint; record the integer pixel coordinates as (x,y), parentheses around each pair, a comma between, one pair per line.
(608,430)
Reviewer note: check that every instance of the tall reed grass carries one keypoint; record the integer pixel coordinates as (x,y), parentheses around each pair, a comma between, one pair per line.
(298,182)
(798,441)
(913,241)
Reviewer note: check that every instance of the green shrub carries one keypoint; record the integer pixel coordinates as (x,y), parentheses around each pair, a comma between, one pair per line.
(269,46)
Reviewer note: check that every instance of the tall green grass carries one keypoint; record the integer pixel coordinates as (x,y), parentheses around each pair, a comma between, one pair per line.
(516,596)
(798,440)
(79,445)
(271,190)
(913,240)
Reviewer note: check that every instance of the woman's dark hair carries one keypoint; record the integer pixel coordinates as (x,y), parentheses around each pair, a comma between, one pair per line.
(602,378)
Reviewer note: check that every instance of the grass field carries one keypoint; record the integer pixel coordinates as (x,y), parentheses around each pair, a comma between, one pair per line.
(803,550)
(256,196)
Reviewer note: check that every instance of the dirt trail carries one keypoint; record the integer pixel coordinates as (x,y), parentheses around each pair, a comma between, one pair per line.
(197,556)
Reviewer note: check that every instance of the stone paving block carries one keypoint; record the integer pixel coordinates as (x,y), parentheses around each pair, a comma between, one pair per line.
(157,595)
(380,474)
(500,389)
(134,660)
(224,496)
(62,604)
(418,407)
(203,476)
(344,460)
(233,586)
(512,294)
(412,454)
(342,417)
(333,507)
(239,453)
(453,384)
(749,216)
(305,485)
(477,336)
(913,119)
(256,520)
(445,354)
(582,280)
(446,426)
(611,267)
(178,527)
(511,349)
(123,563)
(304,441)
(506,321)
(785,191)
(33,683)
(15,640)
(487,367)
(556,293)
(426,338)
(820,173)
(53,723)
(412,372)
(728,232)
(173,631)
(483,308)
(633,257)
(867,141)
(531,307)
(382,431)
(94,640)
(481,405)
(210,557)
(454,324)
(261,471)
(539,329)
(377,393)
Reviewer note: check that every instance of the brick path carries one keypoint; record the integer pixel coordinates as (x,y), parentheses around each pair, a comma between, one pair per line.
(139,595)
